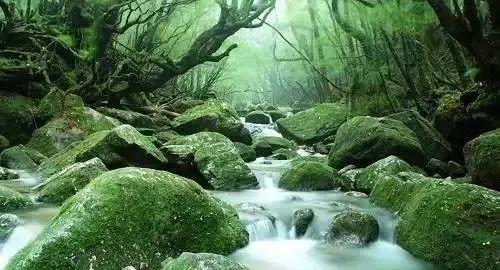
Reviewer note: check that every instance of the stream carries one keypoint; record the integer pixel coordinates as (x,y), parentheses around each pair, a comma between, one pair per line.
(273,244)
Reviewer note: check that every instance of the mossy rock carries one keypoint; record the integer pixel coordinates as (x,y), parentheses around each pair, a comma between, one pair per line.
(311,158)
(70,180)
(353,229)
(449,112)
(201,261)
(284,154)
(433,143)
(363,140)
(277,143)
(12,200)
(7,174)
(132,217)
(4,143)
(262,149)
(120,147)
(302,219)
(18,158)
(391,165)
(8,222)
(246,152)
(454,226)
(56,102)
(306,176)
(315,124)
(212,116)
(17,115)
(482,157)
(165,136)
(277,114)
(72,126)
(135,119)
(258,117)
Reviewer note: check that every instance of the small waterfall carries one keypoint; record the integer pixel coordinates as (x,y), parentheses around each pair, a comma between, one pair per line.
(267,229)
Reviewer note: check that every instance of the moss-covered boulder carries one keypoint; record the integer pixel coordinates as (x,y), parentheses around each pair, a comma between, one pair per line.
(72,126)
(165,136)
(57,102)
(132,217)
(482,157)
(12,200)
(8,222)
(201,261)
(4,143)
(8,174)
(352,229)
(70,180)
(277,143)
(309,175)
(315,124)
(246,152)
(212,116)
(433,143)
(17,114)
(120,147)
(363,140)
(135,119)
(283,154)
(454,226)
(262,149)
(214,157)
(311,158)
(390,165)
(17,157)
(258,117)
(448,115)
(301,220)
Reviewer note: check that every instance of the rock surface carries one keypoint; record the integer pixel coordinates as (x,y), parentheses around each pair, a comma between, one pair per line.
(310,175)
(8,222)
(12,200)
(302,219)
(246,152)
(18,157)
(16,117)
(201,261)
(135,119)
(258,117)
(482,157)
(353,229)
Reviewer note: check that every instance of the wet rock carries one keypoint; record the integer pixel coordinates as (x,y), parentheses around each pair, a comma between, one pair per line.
(313,125)
(482,158)
(283,154)
(212,116)
(4,143)
(70,180)
(276,114)
(350,179)
(363,140)
(353,229)
(433,143)
(16,117)
(72,126)
(133,216)
(135,119)
(12,200)
(456,170)
(262,149)
(276,143)
(306,176)
(201,261)
(7,174)
(452,225)
(17,157)
(436,166)
(391,165)
(356,194)
(8,222)
(258,117)
(120,147)
(302,219)
(246,152)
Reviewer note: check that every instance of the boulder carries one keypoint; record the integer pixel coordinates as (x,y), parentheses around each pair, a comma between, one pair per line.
(70,180)
(8,222)
(363,140)
(120,147)
(312,158)
(17,115)
(482,158)
(56,102)
(283,154)
(135,119)
(391,165)
(133,217)
(436,166)
(165,136)
(72,126)
(350,179)
(306,176)
(302,219)
(201,261)
(17,157)
(353,229)
(4,143)
(433,143)
(12,200)
(453,226)
(277,114)
(262,149)
(7,174)
(315,124)
(456,169)
(277,143)
(247,153)
(258,117)
(212,116)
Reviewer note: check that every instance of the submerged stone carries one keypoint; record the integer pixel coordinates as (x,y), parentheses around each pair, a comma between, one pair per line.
(363,140)
(133,217)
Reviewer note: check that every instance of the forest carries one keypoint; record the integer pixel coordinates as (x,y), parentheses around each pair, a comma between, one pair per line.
(249,134)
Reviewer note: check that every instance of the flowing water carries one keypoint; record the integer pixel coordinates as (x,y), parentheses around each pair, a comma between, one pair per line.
(267,213)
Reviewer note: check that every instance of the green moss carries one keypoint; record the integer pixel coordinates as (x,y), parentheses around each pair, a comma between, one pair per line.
(353,229)
(12,200)
(67,182)
(247,153)
(313,125)
(119,147)
(166,136)
(16,158)
(16,117)
(451,225)
(258,117)
(7,224)
(132,216)
(313,158)
(72,126)
(309,175)
(262,149)
(277,143)
(363,140)
(135,119)
(201,261)
(482,156)
(284,154)
(276,114)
